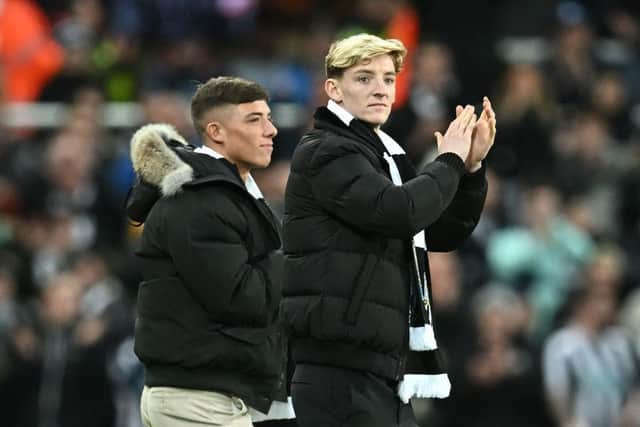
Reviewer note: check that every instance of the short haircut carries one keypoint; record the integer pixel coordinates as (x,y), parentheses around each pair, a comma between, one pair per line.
(352,50)
(224,90)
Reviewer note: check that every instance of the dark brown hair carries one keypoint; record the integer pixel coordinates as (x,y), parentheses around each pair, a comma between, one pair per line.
(220,91)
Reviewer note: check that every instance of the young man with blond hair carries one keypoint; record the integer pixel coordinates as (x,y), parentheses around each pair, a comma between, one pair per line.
(358,221)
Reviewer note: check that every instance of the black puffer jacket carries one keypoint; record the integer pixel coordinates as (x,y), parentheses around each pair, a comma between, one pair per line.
(208,305)
(347,243)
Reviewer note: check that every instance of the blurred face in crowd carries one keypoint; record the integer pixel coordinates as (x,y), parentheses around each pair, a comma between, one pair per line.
(433,67)
(70,160)
(542,205)
(599,307)
(367,90)
(605,271)
(243,134)
(61,299)
(608,94)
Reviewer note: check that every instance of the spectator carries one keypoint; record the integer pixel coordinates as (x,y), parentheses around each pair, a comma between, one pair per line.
(499,381)
(29,56)
(590,365)
(539,256)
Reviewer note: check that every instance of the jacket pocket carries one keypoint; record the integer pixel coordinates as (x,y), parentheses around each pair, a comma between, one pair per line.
(360,289)
(257,351)
(159,329)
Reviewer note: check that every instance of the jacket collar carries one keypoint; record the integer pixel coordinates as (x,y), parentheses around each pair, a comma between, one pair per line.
(212,171)
(364,133)
(207,169)
(357,129)
(340,112)
(390,145)
(250,183)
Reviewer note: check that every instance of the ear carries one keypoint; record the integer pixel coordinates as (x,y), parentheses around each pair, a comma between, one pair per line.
(332,89)
(215,132)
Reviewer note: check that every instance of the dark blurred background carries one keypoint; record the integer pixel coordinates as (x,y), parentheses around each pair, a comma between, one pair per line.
(539,313)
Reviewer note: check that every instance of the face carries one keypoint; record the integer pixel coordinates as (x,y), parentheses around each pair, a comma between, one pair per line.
(367,90)
(243,134)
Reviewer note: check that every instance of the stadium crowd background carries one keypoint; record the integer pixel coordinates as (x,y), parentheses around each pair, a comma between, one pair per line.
(562,218)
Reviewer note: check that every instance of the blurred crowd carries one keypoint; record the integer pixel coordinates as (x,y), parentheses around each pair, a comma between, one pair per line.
(539,311)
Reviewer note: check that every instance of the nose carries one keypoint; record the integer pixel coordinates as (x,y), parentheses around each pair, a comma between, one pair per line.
(381,90)
(270,130)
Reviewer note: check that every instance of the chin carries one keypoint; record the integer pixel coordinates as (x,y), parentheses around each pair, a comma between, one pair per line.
(376,119)
(263,164)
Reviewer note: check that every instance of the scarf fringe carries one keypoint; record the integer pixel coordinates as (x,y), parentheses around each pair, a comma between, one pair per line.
(422,338)
(424,386)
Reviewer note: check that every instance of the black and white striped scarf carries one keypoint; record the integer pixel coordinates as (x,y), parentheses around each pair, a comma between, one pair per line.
(424,375)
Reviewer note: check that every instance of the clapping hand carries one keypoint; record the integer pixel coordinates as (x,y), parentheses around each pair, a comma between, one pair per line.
(484,134)
(457,138)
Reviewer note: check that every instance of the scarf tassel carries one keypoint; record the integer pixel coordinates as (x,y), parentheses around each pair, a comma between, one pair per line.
(424,386)
(422,338)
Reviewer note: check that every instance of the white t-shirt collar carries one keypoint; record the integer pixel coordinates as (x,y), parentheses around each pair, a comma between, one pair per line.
(203,149)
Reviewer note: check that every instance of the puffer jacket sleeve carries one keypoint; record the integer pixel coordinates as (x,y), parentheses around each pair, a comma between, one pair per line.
(142,196)
(346,184)
(210,249)
(461,216)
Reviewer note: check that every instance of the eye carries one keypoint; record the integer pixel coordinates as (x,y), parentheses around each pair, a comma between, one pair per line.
(363,79)
(390,80)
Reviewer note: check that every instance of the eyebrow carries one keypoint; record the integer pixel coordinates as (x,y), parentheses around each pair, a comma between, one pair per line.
(258,114)
(365,71)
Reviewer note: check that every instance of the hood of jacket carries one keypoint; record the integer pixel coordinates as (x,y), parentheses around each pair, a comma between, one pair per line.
(156,162)
(165,164)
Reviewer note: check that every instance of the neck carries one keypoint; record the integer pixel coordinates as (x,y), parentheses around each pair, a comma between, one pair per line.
(588,323)
(244,173)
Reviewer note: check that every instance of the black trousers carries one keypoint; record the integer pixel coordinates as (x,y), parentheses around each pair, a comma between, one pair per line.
(325,396)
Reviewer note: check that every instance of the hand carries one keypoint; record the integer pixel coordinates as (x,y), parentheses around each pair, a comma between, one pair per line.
(484,134)
(89,331)
(457,138)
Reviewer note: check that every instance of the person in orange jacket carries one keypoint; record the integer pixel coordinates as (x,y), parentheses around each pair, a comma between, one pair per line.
(29,55)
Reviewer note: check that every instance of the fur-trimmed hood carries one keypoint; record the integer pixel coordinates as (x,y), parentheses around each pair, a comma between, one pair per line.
(161,172)
(155,162)
(166,164)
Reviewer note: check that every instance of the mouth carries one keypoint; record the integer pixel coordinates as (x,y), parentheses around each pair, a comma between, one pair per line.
(378,105)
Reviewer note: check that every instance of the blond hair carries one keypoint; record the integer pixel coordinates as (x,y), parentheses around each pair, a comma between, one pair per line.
(352,50)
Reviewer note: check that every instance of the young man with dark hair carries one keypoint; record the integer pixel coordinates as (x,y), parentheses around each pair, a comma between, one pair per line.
(207,327)
(358,222)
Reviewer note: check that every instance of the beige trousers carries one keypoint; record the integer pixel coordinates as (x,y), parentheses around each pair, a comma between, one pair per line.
(179,407)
